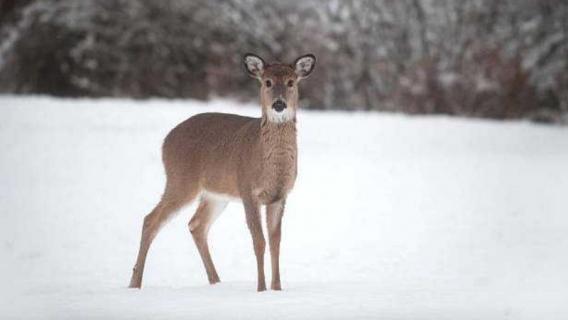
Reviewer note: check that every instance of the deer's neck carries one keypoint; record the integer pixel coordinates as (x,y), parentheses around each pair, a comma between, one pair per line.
(279,137)
(278,149)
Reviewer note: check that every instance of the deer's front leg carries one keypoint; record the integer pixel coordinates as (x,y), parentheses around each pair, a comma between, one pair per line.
(252,211)
(274,213)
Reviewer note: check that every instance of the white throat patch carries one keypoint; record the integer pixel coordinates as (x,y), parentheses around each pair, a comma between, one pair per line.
(280,117)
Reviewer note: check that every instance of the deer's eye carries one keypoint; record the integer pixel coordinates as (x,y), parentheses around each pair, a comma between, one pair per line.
(290,83)
(268,83)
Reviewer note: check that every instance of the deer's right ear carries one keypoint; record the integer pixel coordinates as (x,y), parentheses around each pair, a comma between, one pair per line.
(254,65)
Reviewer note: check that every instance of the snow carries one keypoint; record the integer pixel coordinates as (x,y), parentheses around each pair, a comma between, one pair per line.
(392,217)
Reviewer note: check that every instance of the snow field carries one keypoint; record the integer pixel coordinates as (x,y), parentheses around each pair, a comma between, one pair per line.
(392,217)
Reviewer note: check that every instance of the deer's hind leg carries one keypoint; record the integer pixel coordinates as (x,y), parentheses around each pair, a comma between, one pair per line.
(207,212)
(171,202)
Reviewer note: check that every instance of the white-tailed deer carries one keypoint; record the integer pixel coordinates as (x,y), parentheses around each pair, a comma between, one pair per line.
(217,157)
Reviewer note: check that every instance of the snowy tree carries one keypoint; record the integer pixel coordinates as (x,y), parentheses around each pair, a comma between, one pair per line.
(481,58)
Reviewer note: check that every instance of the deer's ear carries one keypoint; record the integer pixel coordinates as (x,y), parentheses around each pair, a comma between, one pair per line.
(304,65)
(254,65)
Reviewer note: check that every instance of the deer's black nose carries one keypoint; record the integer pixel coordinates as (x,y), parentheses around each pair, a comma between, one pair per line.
(279,105)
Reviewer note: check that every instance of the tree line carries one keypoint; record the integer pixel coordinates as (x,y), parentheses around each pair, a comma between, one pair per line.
(479,58)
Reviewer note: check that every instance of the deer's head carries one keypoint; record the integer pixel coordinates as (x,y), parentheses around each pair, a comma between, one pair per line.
(279,84)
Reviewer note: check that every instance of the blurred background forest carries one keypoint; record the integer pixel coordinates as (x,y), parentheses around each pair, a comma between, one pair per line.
(501,59)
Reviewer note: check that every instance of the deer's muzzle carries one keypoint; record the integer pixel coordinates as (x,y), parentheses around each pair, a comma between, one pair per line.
(279,105)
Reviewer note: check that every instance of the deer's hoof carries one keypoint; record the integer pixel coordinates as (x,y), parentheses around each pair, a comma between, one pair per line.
(134,286)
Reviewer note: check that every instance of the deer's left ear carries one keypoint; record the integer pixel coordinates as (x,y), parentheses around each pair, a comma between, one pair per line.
(304,65)
(254,65)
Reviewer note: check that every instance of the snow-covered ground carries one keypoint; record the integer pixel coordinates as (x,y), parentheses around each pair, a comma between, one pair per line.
(392,217)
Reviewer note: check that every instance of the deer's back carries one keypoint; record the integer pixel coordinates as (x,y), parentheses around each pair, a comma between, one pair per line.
(209,148)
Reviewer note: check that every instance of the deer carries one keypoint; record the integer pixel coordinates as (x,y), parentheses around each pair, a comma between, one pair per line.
(217,157)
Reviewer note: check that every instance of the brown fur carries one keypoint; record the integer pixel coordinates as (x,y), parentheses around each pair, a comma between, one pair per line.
(221,156)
